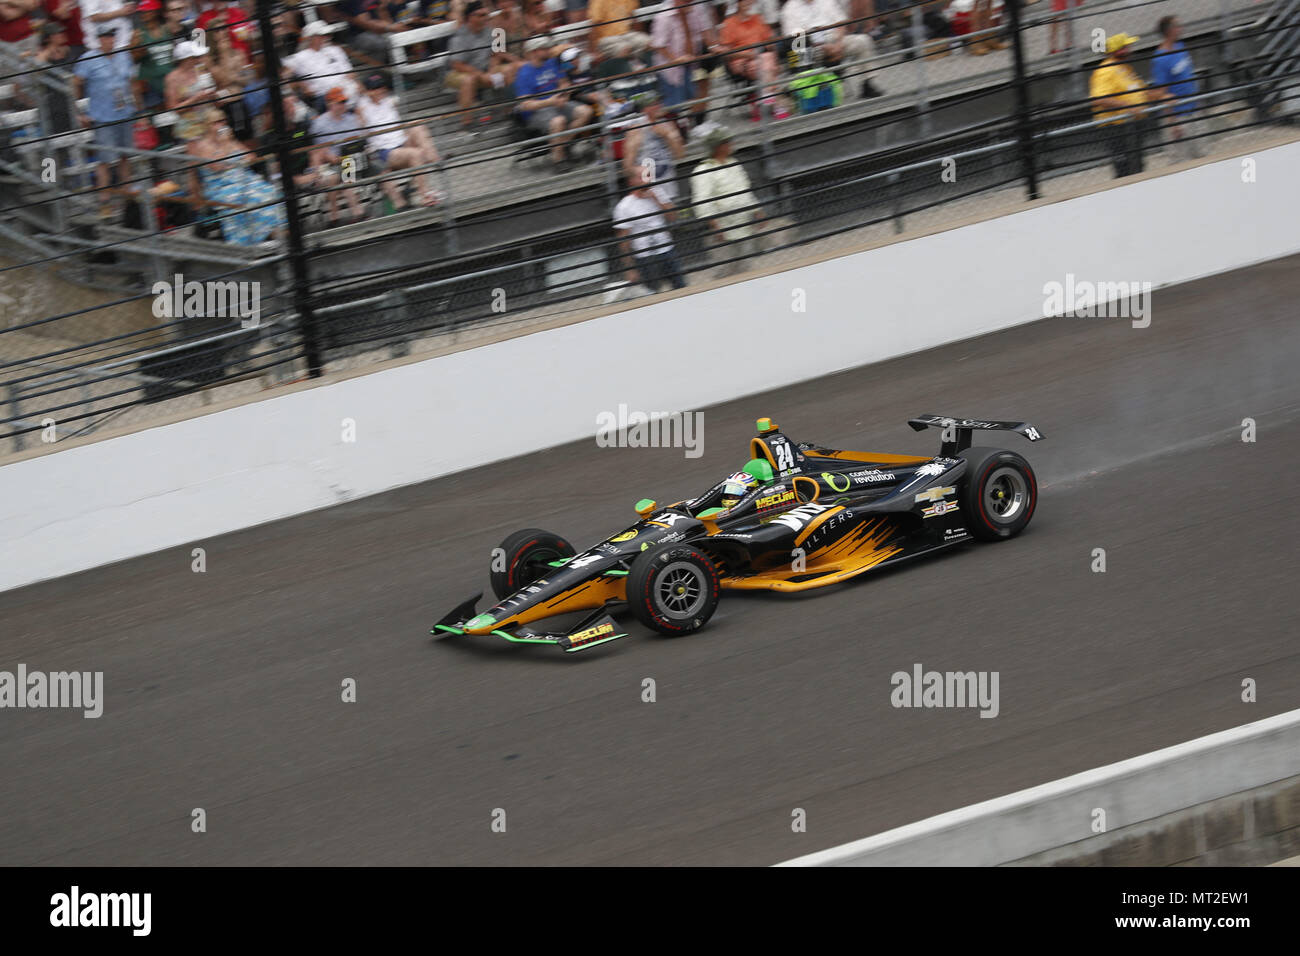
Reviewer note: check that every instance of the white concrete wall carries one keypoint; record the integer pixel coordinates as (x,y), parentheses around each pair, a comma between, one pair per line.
(1060,813)
(177,483)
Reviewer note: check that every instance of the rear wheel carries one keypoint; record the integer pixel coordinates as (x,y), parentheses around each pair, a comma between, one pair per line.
(673,588)
(524,557)
(999,495)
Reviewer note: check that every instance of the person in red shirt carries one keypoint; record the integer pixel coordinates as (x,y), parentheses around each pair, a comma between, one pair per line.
(16,24)
(228,15)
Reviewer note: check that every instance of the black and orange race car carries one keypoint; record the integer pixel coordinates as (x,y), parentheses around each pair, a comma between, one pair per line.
(797,516)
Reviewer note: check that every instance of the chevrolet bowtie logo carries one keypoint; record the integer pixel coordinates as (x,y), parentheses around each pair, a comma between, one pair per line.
(934,494)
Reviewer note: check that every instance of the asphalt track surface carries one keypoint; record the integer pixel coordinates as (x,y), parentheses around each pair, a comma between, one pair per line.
(223,688)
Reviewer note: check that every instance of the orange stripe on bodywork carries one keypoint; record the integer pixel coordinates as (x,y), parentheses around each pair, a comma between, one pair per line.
(860,550)
(585,597)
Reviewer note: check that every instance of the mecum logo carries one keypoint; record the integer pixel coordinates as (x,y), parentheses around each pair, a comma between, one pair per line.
(1098,300)
(179,299)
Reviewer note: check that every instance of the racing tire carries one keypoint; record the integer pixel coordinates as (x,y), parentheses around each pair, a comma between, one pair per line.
(999,494)
(527,554)
(673,588)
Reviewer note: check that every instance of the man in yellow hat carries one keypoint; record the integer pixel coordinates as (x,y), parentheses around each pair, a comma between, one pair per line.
(1118,94)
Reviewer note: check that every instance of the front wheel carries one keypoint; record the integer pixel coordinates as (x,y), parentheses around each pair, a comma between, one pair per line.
(673,588)
(524,557)
(1000,493)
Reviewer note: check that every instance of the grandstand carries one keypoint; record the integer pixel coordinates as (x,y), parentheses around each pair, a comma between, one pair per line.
(861,159)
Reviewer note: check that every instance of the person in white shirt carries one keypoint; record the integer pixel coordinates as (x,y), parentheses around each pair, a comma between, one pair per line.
(809,22)
(396,144)
(321,65)
(722,196)
(814,18)
(641,221)
(107,14)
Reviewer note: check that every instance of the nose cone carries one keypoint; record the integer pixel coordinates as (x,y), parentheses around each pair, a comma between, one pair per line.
(480,625)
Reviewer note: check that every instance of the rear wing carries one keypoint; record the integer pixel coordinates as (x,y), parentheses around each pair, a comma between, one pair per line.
(957,432)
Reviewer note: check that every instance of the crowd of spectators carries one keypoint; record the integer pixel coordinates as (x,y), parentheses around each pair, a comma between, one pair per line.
(191,75)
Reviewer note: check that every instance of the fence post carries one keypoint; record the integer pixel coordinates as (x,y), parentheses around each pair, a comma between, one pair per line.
(297,250)
(922,84)
(1020,81)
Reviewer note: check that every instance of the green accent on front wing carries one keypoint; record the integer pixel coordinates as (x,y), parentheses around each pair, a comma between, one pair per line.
(446,627)
(558,564)
(603,640)
(526,640)
(616,574)
(483,620)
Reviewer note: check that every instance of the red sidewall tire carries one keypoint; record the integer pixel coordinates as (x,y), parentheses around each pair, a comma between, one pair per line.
(644,577)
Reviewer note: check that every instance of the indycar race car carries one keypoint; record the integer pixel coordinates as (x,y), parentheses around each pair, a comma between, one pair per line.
(797,516)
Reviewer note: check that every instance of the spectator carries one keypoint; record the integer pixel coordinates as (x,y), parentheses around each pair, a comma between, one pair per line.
(739,35)
(623,69)
(1118,94)
(1174,76)
(1060,34)
(257,98)
(16,29)
(334,135)
(575,11)
(104,77)
(722,196)
(982,20)
(862,16)
(678,35)
(110,14)
(653,146)
(537,18)
(67,14)
(815,20)
(509,17)
(228,19)
(749,63)
(610,18)
(228,183)
(55,51)
(321,65)
(769,10)
(188,87)
(551,114)
(232,73)
(641,221)
(153,43)
(396,145)
(474,64)
(435,11)
(369,24)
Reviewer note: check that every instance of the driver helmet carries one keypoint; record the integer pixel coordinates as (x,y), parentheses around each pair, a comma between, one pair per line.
(736,487)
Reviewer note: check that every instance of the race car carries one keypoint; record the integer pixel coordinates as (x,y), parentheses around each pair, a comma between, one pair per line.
(797,516)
